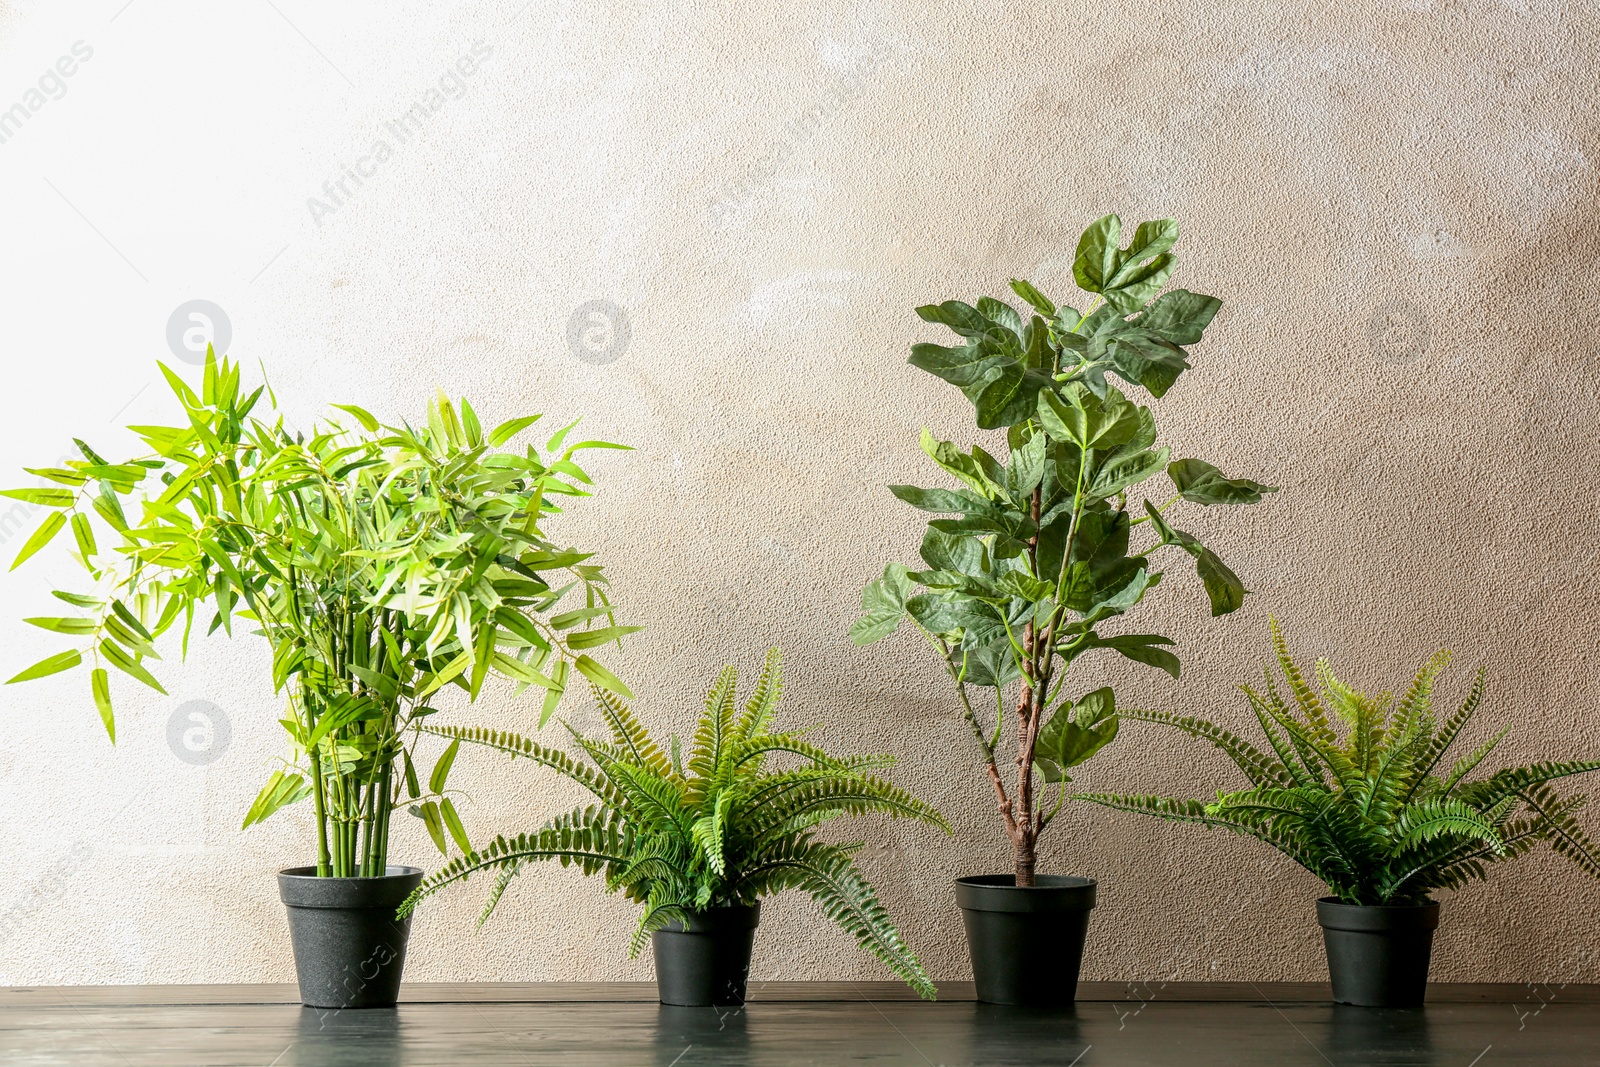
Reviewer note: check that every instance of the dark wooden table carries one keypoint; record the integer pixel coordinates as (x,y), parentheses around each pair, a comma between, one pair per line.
(578,1024)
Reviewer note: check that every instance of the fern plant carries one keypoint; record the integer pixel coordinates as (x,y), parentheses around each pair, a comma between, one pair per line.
(1374,813)
(722,830)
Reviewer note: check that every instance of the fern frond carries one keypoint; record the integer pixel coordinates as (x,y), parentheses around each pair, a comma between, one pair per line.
(763,702)
(517,745)
(1257,765)
(1469,763)
(1452,727)
(629,735)
(590,837)
(846,897)
(712,731)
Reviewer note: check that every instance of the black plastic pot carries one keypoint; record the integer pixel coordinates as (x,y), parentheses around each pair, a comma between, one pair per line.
(1378,956)
(707,960)
(1026,941)
(349,949)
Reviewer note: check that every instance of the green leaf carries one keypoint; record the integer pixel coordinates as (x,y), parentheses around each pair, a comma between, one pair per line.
(51,526)
(963,318)
(510,428)
(1080,417)
(78,600)
(595,638)
(1039,301)
(1122,471)
(602,677)
(441,769)
(569,619)
(58,475)
(883,605)
(1141,648)
(1180,316)
(129,665)
(941,501)
(280,791)
(519,671)
(452,822)
(553,695)
(429,813)
(1224,588)
(1201,483)
(100,685)
(68,625)
(61,661)
(50,498)
(363,416)
(1096,259)
(1150,241)
(83,533)
(1074,733)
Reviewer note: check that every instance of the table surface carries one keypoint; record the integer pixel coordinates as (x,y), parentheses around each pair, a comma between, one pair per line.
(578,1024)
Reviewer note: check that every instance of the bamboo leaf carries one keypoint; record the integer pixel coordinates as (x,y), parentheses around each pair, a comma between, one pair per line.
(47,530)
(602,677)
(50,498)
(363,416)
(100,685)
(594,638)
(441,769)
(61,661)
(452,822)
(129,665)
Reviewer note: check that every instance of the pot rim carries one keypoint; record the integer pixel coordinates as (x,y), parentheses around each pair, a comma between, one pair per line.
(1000,881)
(1059,894)
(1332,914)
(310,874)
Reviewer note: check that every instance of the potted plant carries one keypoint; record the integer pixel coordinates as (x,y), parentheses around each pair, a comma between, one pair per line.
(1375,813)
(381,564)
(701,841)
(1037,556)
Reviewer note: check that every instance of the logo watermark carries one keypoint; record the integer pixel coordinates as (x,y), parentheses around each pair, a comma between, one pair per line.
(49,887)
(796,133)
(198,732)
(338,191)
(51,85)
(1398,332)
(195,324)
(598,332)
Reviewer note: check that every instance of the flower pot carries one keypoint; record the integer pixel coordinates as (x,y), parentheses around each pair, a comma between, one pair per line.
(1026,941)
(706,960)
(349,948)
(1378,956)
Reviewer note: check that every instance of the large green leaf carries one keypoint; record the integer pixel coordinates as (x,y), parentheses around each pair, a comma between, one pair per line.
(1095,263)
(883,605)
(1075,732)
(1200,482)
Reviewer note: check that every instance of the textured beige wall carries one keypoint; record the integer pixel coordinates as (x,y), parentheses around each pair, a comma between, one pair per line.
(1395,200)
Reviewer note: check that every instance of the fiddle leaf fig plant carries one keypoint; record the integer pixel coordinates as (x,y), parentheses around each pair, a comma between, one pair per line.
(381,563)
(1036,551)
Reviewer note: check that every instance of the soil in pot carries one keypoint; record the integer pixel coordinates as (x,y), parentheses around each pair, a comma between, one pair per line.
(1378,956)
(349,949)
(1026,941)
(706,961)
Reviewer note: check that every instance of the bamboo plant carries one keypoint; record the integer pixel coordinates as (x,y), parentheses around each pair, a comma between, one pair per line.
(381,563)
(1038,552)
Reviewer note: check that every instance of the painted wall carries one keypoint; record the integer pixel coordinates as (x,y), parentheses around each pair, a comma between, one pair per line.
(703,227)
